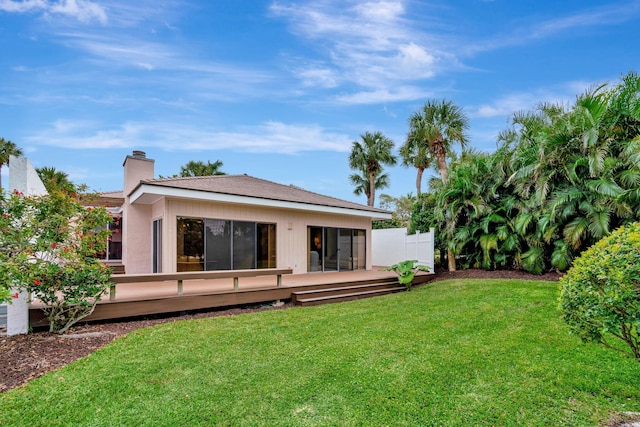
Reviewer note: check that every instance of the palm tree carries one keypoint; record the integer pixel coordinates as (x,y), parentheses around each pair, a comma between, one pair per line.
(369,155)
(432,132)
(7,149)
(361,182)
(198,168)
(55,180)
(415,154)
(434,129)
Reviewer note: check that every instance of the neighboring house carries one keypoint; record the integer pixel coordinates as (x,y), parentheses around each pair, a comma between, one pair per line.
(232,222)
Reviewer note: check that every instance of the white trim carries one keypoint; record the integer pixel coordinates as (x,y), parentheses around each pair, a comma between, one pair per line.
(149,194)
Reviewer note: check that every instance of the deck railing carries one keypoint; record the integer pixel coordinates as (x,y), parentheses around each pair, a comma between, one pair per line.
(180,277)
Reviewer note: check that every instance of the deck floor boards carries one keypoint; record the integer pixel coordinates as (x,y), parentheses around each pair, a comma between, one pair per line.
(139,299)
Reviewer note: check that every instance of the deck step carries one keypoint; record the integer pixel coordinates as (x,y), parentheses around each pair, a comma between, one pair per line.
(343,288)
(340,296)
(3,315)
(3,320)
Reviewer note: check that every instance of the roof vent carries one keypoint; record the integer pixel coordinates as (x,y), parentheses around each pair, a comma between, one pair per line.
(139,154)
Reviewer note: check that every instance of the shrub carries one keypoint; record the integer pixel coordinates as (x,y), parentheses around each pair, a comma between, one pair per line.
(600,294)
(406,271)
(47,247)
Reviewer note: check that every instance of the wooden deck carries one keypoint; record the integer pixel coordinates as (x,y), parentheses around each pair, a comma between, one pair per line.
(140,299)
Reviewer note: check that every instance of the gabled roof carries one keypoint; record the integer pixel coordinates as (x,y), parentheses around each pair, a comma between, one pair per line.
(246,189)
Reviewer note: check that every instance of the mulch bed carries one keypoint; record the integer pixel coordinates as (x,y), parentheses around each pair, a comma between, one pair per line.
(25,357)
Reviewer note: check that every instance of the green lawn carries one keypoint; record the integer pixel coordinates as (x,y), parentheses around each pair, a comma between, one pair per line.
(455,353)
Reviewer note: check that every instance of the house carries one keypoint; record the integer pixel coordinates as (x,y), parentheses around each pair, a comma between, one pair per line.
(232,222)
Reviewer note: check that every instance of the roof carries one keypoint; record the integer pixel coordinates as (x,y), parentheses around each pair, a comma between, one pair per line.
(109,199)
(248,190)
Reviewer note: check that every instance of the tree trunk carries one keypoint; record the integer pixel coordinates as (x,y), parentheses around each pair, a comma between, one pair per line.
(419,181)
(442,167)
(442,162)
(452,260)
(372,188)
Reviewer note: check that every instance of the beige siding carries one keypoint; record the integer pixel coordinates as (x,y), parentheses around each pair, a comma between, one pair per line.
(136,235)
(291,228)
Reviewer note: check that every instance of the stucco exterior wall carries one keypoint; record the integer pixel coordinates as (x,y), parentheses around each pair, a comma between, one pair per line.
(136,225)
(291,230)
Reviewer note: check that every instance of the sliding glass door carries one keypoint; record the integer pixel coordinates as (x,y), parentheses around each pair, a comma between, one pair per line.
(336,249)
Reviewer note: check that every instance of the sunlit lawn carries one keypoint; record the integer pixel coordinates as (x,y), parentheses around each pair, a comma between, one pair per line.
(455,353)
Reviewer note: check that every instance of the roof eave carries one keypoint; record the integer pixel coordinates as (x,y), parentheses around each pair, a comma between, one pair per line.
(148,194)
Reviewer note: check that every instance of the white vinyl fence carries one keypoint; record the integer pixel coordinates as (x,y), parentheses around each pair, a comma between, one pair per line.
(392,245)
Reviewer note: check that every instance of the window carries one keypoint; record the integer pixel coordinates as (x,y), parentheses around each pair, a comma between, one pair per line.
(218,244)
(113,250)
(157,246)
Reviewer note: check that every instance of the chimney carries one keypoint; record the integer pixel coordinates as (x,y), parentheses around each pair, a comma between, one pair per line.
(137,168)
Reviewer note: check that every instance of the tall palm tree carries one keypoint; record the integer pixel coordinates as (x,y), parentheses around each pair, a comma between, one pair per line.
(361,182)
(7,148)
(437,127)
(416,154)
(370,154)
(55,180)
(199,168)
(433,131)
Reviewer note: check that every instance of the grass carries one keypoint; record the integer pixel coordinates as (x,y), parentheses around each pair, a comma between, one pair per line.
(458,352)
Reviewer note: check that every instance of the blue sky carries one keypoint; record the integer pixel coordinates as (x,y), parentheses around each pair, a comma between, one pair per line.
(279,89)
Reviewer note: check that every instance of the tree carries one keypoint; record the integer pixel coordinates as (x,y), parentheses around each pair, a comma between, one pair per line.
(7,148)
(47,247)
(599,297)
(414,153)
(400,207)
(362,185)
(433,131)
(370,154)
(55,180)
(199,168)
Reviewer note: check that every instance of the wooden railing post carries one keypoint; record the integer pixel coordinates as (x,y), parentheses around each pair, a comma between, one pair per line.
(179,286)
(279,280)
(112,292)
(235,283)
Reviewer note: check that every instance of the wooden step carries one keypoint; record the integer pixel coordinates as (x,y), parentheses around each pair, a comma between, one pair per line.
(3,315)
(341,297)
(343,288)
(116,268)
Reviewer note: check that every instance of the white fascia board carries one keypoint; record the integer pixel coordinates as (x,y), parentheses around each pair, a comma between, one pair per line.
(149,194)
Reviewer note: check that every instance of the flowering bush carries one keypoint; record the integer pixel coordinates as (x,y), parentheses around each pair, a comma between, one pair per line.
(47,247)
(600,295)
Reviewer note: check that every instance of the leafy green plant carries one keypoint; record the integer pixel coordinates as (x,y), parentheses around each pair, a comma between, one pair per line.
(600,295)
(47,247)
(406,271)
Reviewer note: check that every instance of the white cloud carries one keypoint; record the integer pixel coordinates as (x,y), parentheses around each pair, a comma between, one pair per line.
(323,77)
(372,44)
(23,6)
(83,10)
(268,137)
(395,94)
(506,105)
(607,15)
(381,11)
